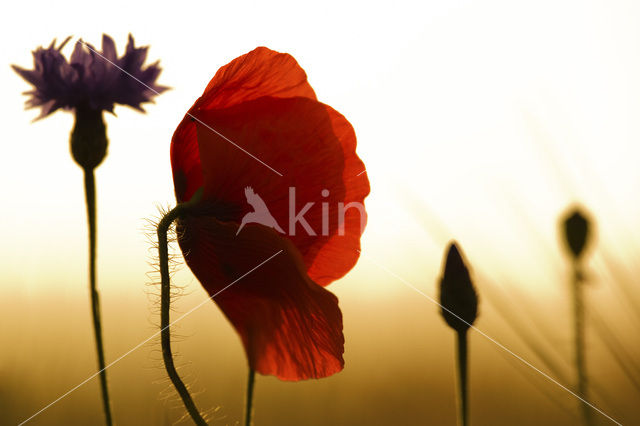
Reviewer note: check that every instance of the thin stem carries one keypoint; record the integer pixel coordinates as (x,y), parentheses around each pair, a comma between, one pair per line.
(579,342)
(165,300)
(462,377)
(90,196)
(250,384)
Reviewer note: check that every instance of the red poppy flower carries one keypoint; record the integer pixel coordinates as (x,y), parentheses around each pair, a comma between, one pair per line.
(290,150)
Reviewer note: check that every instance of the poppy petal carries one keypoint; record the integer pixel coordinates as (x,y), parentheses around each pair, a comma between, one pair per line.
(185,161)
(333,259)
(313,147)
(261,72)
(290,326)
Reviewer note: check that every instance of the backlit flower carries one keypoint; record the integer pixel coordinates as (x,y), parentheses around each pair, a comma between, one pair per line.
(90,78)
(88,84)
(295,150)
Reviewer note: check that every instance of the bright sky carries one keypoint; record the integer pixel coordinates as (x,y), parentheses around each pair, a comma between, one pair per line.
(480,121)
(486,111)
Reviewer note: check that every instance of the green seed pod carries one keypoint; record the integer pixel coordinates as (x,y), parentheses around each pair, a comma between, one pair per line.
(458,297)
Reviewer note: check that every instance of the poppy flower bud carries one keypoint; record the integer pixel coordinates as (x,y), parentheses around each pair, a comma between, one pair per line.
(576,233)
(89,137)
(458,297)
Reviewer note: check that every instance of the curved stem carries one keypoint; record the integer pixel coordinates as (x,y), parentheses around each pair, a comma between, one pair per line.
(249,409)
(462,377)
(165,300)
(90,196)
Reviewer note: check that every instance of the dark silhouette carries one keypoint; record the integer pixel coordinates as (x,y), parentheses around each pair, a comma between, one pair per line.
(459,303)
(88,84)
(576,236)
(165,306)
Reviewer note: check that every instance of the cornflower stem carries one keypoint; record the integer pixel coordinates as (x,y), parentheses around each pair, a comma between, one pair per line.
(249,408)
(579,342)
(462,377)
(165,301)
(90,197)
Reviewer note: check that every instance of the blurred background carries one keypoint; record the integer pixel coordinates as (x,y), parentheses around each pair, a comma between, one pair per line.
(478,121)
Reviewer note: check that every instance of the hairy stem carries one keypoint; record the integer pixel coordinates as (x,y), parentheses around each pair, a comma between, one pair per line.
(165,300)
(462,377)
(579,342)
(249,409)
(90,195)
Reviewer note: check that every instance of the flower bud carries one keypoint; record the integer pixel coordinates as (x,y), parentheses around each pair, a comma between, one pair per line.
(458,297)
(576,233)
(89,137)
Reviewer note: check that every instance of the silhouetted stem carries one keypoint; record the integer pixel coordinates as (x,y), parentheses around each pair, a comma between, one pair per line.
(579,342)
(249,409)
(90,196)
(462,377)
(165,300)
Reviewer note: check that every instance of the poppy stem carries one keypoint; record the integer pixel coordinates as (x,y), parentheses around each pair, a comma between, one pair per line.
(579,341)
(90,197)
(462,377)
(165,300)
(250,385)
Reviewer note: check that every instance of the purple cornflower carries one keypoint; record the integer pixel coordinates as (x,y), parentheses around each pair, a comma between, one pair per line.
(90,78)
(88,84)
